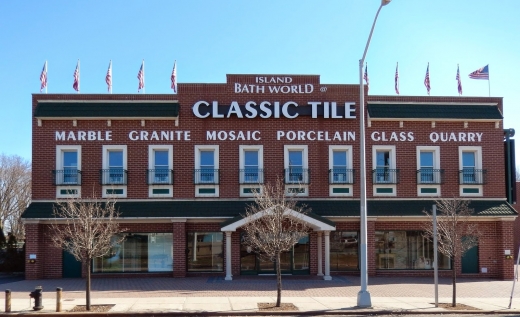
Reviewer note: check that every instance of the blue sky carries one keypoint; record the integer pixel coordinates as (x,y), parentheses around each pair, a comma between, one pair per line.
(210,39)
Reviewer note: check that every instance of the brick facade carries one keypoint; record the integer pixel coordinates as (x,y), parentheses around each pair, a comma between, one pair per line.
(192,131)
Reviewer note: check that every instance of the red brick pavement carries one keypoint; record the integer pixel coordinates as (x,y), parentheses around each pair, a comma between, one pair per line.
(347,286)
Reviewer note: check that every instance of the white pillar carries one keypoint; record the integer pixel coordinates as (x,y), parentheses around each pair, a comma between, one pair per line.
(320,255)
(229,276)
(327,276)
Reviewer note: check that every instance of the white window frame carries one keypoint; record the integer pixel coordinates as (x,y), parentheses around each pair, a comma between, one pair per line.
(59,166)
(303,188)
(243,187)
(106,149)
(348,150)
(436,166)
(215,149)
(478,165)
(393,165)
(151,166)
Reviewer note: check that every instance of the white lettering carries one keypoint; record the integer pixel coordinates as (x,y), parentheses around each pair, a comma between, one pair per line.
(196,111)
(60,136)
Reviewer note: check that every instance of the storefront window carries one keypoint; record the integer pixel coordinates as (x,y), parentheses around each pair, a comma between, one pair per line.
(344,251)
(204,251)
(408,250)
(139,252)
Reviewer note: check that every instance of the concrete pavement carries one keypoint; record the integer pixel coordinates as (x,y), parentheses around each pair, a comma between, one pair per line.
(240,296)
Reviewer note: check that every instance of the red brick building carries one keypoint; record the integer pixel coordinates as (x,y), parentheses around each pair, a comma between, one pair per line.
(183,168)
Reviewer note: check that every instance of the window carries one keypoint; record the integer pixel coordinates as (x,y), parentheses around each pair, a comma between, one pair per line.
(206,173)
(114,172)
(407,250)
(251,172)
(344,251)
(468,168)
(471,174)
(296,175)
(115,167)
(341,174)
(67,176)
(429,174)
(383,167)
(205,252)
(138,253)
(160,173)
(384,173)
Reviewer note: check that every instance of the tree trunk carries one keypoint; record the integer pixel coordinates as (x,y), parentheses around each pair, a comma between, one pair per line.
(454,283)
(88,285)
(278,281)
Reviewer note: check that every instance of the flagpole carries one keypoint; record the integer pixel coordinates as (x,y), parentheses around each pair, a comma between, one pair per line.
(111,75)
(144,82)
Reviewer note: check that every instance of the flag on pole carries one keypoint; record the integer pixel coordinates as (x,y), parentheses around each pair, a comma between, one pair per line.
(43,77)
(397,78)
(108,77)
(365,77)
(140,76)
(427,79)
(75,85)
(174,77)
(459,82)
(481,73)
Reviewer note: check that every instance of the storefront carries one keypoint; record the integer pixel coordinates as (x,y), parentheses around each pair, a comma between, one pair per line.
(183,169)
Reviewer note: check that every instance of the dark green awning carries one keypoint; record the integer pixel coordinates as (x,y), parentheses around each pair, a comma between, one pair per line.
(319,208)
(427,111)
(107,110)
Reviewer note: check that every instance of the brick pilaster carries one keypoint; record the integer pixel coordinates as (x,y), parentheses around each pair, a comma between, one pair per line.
(179,249)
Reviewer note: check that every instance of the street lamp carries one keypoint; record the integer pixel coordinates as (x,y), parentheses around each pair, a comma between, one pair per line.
(363,298)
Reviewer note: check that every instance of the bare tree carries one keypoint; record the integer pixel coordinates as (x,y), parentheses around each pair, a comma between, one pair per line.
(455,233)
(87,230)
(274,224)
(15,193)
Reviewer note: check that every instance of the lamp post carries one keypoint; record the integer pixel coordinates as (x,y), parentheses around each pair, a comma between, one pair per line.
(363,298)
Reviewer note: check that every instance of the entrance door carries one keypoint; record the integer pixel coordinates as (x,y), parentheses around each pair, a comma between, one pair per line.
(295,261)
(71,267)
(470,261)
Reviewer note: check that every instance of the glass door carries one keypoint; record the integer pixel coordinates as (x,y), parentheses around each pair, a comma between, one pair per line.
(295,261)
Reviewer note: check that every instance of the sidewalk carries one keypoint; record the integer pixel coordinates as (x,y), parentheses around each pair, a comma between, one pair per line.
(309,295)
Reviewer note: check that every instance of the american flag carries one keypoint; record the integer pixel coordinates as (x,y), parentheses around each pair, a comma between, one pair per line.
(140,76)
(108,78)
(365,77)
(174,77)
(397,79)
(43,77)
(459,82)
(481,73)
(427,79)
(75,85)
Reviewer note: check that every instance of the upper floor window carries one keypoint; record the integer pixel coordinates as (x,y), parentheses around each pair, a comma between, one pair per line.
(341,174)
(114,172)
(251,164)
(385,172)
(385,176)
(67,175)
(70,167)
(206,173)
(296,174)
(115,166)
(428,165)
(470,163)
(160,165)
(160,172)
